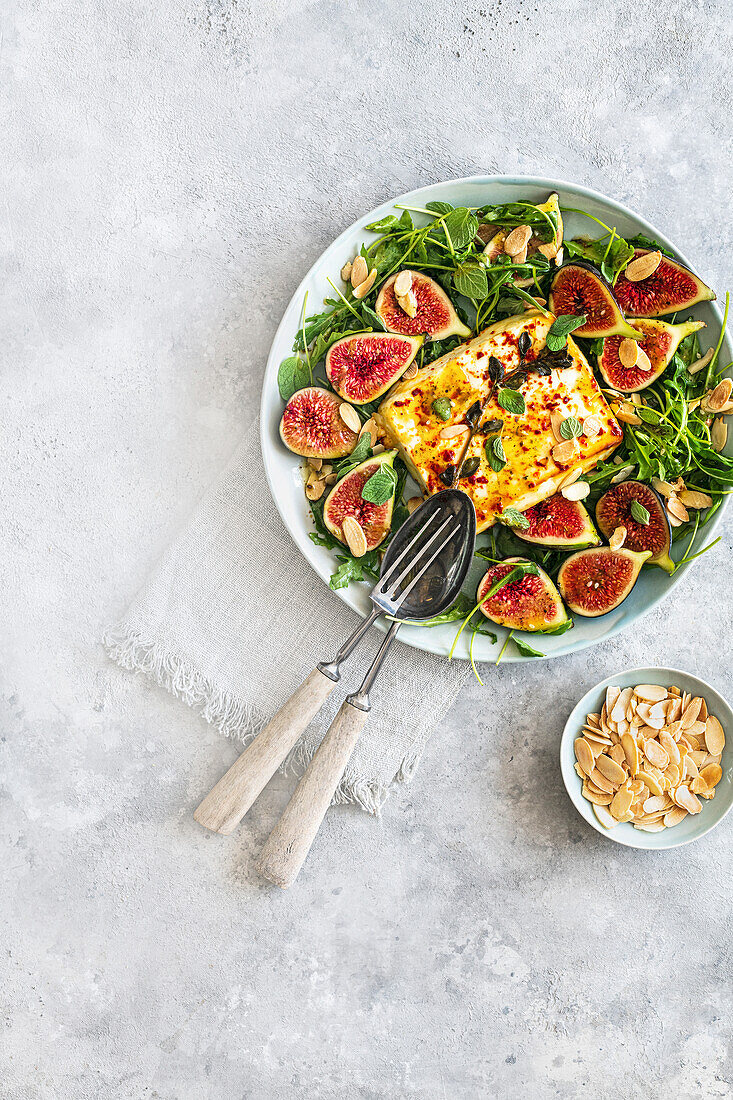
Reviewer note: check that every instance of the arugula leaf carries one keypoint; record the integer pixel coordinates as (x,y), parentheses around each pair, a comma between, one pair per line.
(511,400)
(571,428)
(293,375)
(470,279)
(442,408)
(610,253)
(543,222)
(355,569)
(640,241)
(561,629)
(383,225)
(461,226)
(514,518)
(380,486)
(639,512)
(560,329)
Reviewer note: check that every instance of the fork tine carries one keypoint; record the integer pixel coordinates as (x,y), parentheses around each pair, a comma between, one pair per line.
(416,562)
(420,531)
(388,591)
(403,595)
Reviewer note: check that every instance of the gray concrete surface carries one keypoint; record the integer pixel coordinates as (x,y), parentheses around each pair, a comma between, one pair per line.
(169,170)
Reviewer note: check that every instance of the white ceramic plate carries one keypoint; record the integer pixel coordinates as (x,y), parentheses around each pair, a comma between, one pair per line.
(693,827)
(283,468)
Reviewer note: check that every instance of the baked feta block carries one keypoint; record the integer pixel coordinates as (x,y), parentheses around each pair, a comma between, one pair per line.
(453,383)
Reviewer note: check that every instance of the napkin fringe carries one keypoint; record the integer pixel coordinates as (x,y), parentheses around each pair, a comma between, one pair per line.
(235,719)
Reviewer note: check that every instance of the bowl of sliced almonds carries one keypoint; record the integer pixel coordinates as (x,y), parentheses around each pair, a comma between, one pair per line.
(644,758)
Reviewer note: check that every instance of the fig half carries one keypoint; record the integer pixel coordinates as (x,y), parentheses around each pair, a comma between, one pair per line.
(560,523)
(670,288)
(578,288)
(312,426)
(660,342)
(363,366)
(529,603)
(614,510)
(593,582)
(345,499)
(435,316)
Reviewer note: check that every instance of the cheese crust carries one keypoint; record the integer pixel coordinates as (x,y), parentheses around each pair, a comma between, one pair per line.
(531,474)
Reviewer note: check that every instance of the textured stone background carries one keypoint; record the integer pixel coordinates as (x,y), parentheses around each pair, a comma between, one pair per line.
(169,171)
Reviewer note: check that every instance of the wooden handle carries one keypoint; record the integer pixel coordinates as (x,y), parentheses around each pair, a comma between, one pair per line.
(289,842)
(228,802)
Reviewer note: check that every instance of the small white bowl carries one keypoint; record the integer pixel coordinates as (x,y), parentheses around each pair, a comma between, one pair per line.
(693,826)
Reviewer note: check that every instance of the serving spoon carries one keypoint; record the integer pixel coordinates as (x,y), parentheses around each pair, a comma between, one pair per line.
(443,574)
(422,573)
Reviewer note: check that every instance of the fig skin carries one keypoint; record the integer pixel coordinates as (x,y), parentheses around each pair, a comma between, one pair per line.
(660,342)
(345,499)
(363,365)
(436,318)
(558,522)
(614,510)
(578,287)
(311,425)
(668,289)
(581,576)
(532,603)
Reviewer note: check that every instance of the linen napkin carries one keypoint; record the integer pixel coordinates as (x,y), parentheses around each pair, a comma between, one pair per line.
(234,618)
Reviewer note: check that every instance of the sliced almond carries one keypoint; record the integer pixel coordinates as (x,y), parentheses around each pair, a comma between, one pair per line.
(651,693)
(584,755)
(346,271)
(359,271)
(690,713)
(408,303)
(520,257)
(618,538)
(355,537)
(621,803)
(350,416)
(720,396)
(612,694)
(314,490)
(714,736)
(570,478)
(411,371)
(315,463)
(625,413)
(613,772)
(712,774)
(670,747)
(643,266)
(650,780)
(664,488)
(654,803)
(413,503)
(517,240)
(628,352)
(452,430)
(676,508)
(363,288)
(684,797)
(592,427)
(601,782)
(596,799)
(371,427)
(691,498)
(653,827)
(578,491)
(403,283)
(719,434)
(700,364)
(607,820)
(655,754)
(673,817)
(556,419)
(562,453)
(673,775)
(618,712)
(631,752)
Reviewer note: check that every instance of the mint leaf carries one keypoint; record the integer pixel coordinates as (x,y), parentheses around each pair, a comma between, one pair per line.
(461,226)
(380,486)
(439,207)
(372,318)
(494,451)
(571,428)
(471,279)
(560,329)
(442,408)
(512,517)
(526,650)
(361,452)
(639,513)
(511,400)
(293,375)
